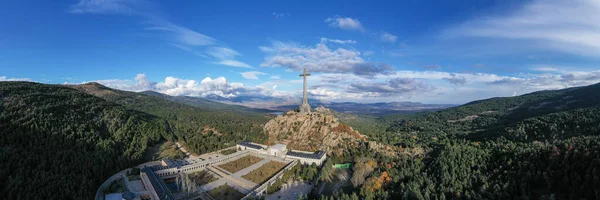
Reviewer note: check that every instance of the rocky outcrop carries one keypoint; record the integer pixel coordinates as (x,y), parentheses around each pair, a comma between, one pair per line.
(323,110)
(318,130)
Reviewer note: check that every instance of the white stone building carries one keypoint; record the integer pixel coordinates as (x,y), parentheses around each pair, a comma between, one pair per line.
(280,150)
(248,145)
(307,158)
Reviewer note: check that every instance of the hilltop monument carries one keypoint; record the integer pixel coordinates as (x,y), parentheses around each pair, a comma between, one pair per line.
(304,108)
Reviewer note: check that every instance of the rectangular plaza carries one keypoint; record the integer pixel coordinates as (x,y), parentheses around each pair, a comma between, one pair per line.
(248,169)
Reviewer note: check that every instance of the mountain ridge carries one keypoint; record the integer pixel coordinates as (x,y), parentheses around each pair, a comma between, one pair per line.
(206,103)
(273,104)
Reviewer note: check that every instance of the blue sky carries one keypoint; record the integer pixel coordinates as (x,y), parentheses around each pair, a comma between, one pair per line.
(362,51)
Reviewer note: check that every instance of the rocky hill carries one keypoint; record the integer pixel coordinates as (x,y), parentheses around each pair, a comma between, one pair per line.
(311,132)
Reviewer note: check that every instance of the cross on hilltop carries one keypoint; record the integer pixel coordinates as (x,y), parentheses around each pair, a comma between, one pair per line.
(304,108)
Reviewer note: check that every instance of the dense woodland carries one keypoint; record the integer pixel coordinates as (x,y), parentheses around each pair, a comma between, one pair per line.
(201,128)
(60,142)
(544,145)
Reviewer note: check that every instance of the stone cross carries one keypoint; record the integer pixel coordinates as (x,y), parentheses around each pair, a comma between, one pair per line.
(304,108)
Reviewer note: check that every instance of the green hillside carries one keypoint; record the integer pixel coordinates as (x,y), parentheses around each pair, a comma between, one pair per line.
(210,105)
(62,142)
(542,145)
(59,143)
(544,115)
(201,129)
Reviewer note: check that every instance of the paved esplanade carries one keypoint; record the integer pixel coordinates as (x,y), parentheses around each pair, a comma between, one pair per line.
(236,177)
(304,108)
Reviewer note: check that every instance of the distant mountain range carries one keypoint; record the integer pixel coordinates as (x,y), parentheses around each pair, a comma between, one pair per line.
(373,108)
(271,104)
(208,104)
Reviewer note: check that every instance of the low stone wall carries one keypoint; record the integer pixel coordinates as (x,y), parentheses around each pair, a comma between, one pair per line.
(148,185)
(260,190)
(201,165)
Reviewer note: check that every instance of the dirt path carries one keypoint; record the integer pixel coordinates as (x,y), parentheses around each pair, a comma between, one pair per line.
(182,149)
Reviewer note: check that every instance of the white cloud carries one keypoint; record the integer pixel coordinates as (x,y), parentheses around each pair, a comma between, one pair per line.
(177,36)
(391,87)
(233,63)
(388,37)
(327,94)
(323,40)
(280,15)
(546,69)
(322,59)
(276,77)
(553,81)
(420,86)
(368,53)
(440,75)
(555,25)
(443,87)
(345,23)
(176,86)
(252,74)
(266,49)
(456,79)
(218,86)
(222,52)
(4,78)
(142,80)
(105,7)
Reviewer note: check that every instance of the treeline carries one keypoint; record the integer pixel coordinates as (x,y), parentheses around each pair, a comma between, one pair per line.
(474,170)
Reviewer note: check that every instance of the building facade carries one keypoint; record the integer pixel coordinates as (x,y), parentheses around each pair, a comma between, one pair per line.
(280,150)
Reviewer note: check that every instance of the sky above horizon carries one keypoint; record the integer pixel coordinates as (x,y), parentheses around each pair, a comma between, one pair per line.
(360,51)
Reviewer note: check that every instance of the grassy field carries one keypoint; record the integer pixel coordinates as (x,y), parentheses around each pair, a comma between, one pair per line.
(202,177)
(239,164)
(264,172)
(225,192)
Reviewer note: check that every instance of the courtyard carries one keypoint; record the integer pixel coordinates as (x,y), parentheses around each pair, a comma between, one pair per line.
(264,172)
(231,173)
(239,164)
(226,192)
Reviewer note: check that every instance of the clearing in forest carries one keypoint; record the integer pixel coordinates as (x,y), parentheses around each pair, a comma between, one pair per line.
(239,164)
(264,172)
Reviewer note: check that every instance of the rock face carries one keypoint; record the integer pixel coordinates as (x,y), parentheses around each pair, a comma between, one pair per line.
(323,110)
(312,132)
